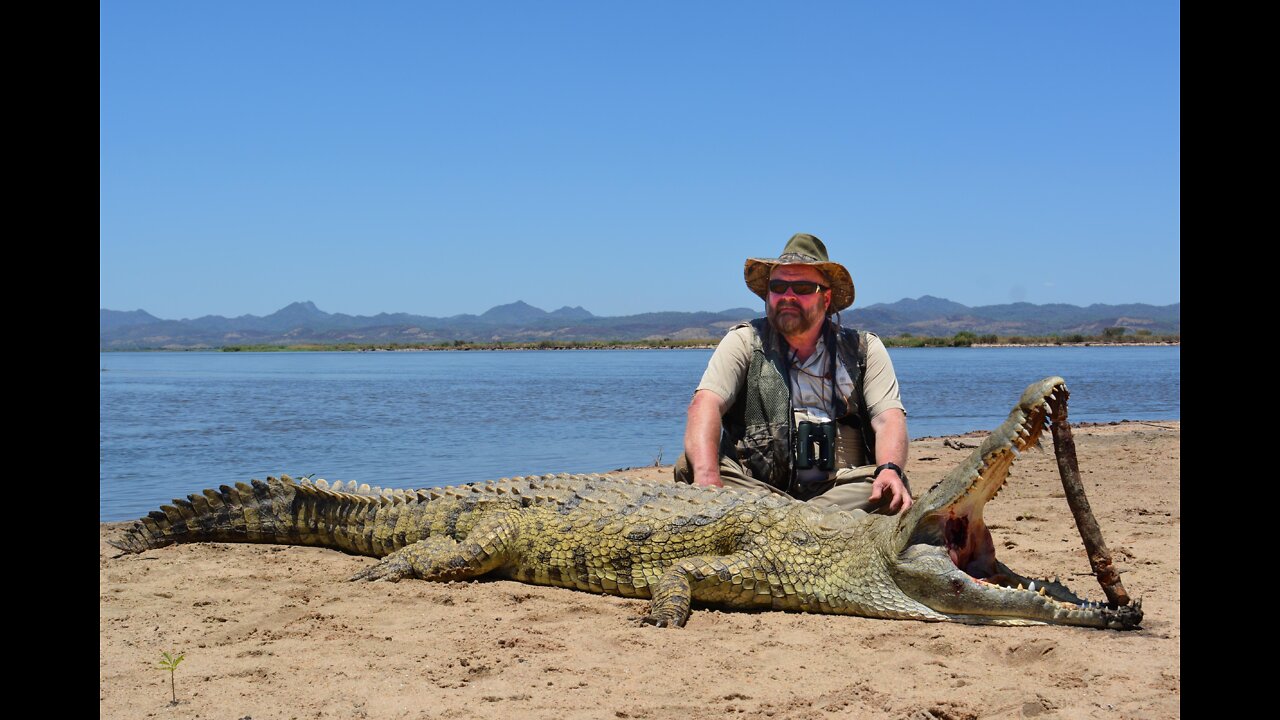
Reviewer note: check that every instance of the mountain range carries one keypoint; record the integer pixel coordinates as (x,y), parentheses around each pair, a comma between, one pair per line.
(303,322)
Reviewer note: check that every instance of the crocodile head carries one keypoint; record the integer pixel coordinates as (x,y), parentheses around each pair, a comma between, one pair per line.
(946,558)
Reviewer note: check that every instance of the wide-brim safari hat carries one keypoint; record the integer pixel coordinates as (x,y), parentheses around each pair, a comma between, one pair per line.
(802,249)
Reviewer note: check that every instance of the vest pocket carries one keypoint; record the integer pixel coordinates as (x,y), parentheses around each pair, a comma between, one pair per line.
(759,449)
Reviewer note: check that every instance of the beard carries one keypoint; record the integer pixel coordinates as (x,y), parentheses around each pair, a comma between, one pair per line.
(793,323)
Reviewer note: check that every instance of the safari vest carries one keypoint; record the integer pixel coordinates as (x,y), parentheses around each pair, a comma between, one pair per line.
(758,428)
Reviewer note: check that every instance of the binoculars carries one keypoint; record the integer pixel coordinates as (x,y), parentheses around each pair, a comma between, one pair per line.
(815,445)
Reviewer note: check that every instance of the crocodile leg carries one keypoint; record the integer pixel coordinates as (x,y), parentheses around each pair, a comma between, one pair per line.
(705,578)
(440,558)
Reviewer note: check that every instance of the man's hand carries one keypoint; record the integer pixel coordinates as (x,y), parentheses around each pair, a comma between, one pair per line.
(708,480)
(891,446)
(889,481)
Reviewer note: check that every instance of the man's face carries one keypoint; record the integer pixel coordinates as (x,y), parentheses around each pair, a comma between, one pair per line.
(794,314)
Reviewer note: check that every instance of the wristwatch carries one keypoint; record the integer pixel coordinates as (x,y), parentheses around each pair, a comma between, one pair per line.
(890,466)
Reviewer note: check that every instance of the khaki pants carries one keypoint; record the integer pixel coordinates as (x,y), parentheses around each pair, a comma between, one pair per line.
(828,495)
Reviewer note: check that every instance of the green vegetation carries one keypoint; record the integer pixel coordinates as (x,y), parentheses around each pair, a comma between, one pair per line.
(960,339)
(499,345)
(170,662)
(963,338)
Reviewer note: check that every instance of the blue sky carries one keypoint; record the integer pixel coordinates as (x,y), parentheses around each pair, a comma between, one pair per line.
(441,158)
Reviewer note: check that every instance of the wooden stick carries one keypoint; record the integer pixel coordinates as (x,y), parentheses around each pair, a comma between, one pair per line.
(1064,446)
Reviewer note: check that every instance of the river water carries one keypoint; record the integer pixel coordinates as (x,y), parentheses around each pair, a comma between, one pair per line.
(174,423)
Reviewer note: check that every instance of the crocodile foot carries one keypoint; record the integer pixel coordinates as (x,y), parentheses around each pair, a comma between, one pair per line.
(665,618)
(392,568)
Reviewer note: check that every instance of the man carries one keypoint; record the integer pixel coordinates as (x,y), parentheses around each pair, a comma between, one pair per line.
(794,402)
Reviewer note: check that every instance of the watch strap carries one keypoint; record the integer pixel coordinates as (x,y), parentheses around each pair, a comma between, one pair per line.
(890,466)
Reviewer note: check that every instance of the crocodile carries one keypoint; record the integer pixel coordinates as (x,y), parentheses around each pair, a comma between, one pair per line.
(673,544)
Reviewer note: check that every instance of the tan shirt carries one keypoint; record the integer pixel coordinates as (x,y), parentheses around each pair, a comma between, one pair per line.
(810,388)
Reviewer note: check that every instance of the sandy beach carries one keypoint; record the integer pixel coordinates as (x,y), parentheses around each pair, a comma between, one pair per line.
(276,632)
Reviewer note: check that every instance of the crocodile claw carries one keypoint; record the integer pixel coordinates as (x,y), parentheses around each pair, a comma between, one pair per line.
(660,621)
(392,568)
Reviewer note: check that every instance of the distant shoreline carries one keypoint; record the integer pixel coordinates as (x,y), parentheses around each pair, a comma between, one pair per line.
(1082,344)
(507,347)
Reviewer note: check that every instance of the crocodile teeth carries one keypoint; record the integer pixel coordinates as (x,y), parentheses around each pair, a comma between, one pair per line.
(1032,587)
(1042,591)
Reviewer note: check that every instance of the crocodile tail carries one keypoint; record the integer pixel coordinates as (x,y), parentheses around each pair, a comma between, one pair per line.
(359,520)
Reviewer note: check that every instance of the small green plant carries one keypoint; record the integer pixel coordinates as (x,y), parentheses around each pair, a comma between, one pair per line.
(170,662)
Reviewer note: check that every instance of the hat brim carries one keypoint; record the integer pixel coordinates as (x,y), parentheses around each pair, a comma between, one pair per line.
(757,270)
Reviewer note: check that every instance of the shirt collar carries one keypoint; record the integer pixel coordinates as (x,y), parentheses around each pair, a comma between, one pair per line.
(819,353)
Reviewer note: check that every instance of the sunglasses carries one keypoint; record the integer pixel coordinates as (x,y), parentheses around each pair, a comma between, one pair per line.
(799,287)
